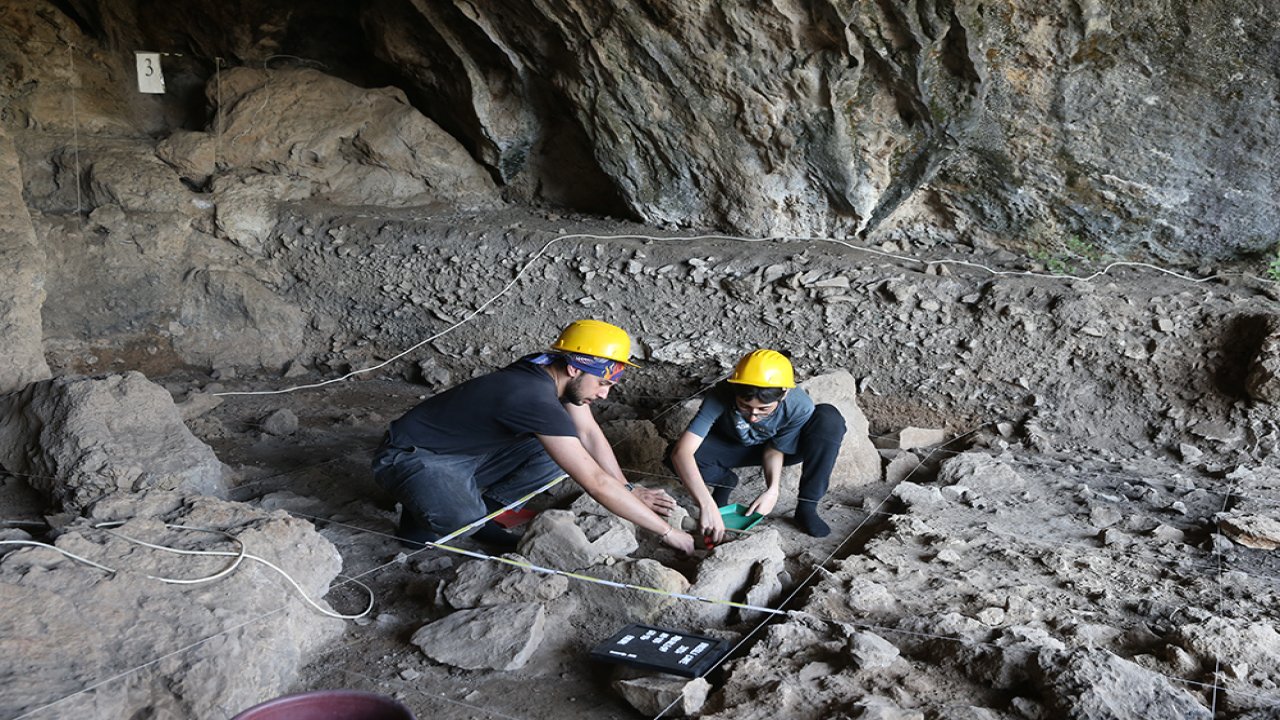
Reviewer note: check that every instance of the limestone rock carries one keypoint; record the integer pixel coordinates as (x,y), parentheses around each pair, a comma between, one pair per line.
(982,474)
(612,607)
(1228,641)
(559,539)
(231,318)
(910,438)
(1263,379)
(354,146)
(870,651)
(68,625)
(858,463)
(80,439)
(919,498)
(731,571)
(22,283)
(130,176)
(191,154)
(1095,684)
(282,422)
(1255,531)
(499,637)
(482,583)
(655,694)
(246,206)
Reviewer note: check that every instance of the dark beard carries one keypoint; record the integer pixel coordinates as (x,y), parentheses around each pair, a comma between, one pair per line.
(573,392)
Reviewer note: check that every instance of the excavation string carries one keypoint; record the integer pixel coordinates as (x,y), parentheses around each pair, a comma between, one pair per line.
(75,125)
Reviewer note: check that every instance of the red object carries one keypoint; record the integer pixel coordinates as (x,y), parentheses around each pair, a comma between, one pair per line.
(515,518)
(329,705)
(706,540)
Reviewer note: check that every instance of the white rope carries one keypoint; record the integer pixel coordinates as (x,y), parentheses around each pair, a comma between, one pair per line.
(75,124)
(238,556)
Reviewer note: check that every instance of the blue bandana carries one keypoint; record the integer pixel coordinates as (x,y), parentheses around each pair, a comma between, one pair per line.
(605,368)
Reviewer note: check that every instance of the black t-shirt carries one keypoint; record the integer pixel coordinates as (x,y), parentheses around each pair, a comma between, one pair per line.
(486,413)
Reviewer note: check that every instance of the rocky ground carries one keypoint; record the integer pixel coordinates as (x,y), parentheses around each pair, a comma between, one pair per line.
(1087,534)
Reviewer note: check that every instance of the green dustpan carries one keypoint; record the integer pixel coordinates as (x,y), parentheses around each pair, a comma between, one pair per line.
(736,518)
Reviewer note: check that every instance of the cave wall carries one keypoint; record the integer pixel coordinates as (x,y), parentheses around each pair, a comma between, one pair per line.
(1140,130)
(1040,127)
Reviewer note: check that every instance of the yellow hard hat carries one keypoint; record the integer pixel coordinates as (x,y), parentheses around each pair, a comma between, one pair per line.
(764,368)
(593,337)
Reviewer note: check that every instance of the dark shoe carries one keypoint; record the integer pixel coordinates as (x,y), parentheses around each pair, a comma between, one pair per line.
(807,518)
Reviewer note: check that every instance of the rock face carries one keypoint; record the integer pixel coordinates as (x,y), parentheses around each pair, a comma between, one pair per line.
(858,463)
(80,439)
(1263,378)
(354,146)
(67,625)
(22,285)
(1036,120)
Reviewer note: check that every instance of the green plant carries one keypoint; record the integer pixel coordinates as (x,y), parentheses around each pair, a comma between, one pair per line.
(1273,266)
(1062,257)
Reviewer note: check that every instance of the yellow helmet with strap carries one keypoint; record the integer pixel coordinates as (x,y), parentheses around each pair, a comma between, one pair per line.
(764,368)
(593,337)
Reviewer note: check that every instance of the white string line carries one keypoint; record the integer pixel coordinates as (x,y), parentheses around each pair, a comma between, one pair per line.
(75,124)
(434,696)
(820,566)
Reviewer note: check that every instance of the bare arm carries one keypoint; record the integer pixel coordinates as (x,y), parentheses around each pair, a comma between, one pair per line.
(771,463)
(709,520)
(571,455)
(597,445)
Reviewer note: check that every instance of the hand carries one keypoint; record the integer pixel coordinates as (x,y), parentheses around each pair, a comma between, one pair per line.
(711,525)
(656,500)
(764,504)
(680,540)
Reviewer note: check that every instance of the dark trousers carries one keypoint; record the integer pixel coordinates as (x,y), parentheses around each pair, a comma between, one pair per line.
(819,445)
(441,493)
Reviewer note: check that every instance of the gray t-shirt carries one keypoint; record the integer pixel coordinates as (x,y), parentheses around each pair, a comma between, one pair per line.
(781,429)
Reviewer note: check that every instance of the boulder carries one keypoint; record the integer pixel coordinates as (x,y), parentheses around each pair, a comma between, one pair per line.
(611,607)
(981,474)
(230,318)
(82,438)
(733,571)
(480,583)
(1263,378)
(352,145)
(498,637)
(1093,684)
(562,540)
(664,694)
(858,463)
(22,283)
(226,644)
(1261,532)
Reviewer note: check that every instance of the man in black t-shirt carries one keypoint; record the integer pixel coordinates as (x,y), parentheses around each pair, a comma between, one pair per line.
(505,434)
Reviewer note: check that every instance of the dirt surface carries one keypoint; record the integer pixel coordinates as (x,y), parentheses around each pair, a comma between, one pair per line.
(1111,407)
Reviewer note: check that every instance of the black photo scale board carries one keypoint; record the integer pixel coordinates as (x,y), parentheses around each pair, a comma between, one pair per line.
(668,651)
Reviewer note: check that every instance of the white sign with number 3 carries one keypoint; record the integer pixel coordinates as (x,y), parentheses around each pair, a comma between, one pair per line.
(150,79)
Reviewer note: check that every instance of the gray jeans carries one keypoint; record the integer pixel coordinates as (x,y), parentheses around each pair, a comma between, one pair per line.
(441,493)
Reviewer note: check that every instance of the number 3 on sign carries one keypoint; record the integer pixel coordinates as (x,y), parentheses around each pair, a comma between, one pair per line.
(150,79)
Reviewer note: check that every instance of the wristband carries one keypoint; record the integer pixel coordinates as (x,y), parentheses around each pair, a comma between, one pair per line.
(668,532)
(629,487)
